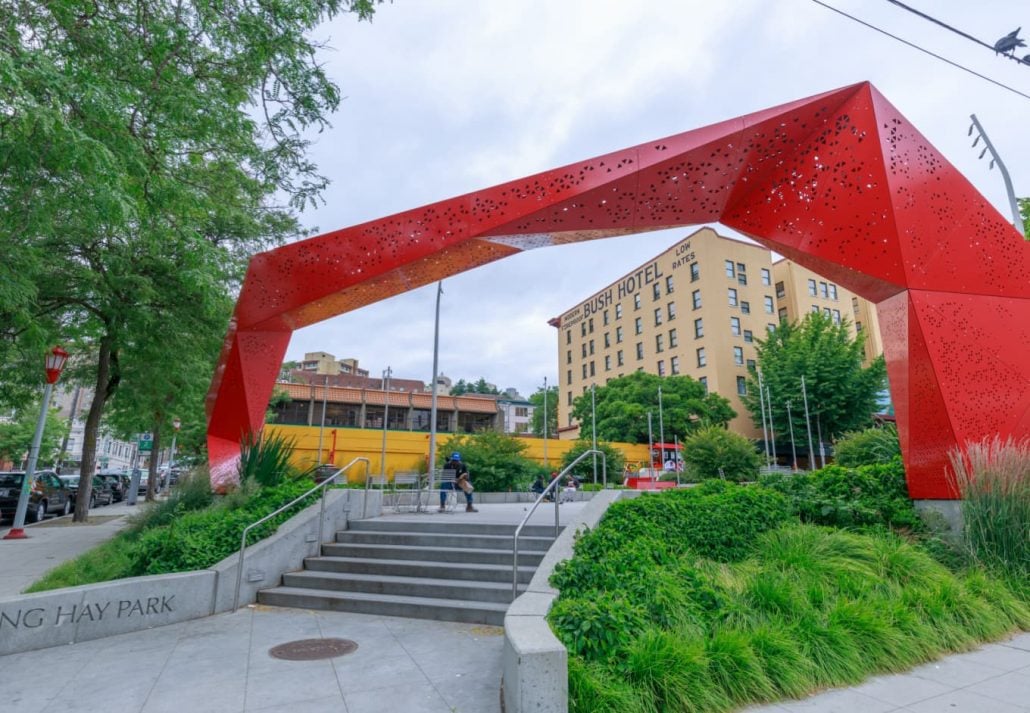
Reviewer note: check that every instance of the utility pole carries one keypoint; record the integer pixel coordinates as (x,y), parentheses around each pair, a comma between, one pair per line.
(793,448)
(761,407)
(650,448)
(321,428)
(772,428)
(808,425)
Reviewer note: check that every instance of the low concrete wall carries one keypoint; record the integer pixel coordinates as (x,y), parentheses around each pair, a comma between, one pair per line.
(93,611)
(535,662)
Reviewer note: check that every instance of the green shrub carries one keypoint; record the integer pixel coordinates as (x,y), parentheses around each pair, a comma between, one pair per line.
(190,493)
(993,477)
(584,470)
(595,629)
(265,459)
(715,452)
(849,497)
(495,461)
(870,446)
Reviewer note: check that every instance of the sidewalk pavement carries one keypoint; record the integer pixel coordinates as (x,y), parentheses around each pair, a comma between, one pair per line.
(54,541)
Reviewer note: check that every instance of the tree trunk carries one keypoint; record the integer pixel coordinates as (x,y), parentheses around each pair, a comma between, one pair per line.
(152,470)
(107,382)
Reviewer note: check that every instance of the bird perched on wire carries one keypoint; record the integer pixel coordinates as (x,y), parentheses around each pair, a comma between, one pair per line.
(1009,43)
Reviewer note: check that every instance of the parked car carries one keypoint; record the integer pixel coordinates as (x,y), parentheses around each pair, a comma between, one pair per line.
(47,495)
(101,492)
(119,483)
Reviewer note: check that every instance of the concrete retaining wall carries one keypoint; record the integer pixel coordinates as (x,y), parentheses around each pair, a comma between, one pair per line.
(535,662)
(93,611)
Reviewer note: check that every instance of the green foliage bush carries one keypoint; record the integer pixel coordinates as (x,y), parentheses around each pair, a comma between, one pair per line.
(870,446)
(666,605)
(494,460)
(715,452)
(849,497)
(265,459)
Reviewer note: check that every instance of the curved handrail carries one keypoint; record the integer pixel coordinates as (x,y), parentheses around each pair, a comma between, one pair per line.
(551,486)
(321,520)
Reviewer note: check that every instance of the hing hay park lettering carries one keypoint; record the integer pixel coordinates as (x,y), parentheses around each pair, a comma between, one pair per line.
(36,617)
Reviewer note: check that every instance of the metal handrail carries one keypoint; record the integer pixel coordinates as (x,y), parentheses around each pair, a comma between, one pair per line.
(551,486)
(324,485)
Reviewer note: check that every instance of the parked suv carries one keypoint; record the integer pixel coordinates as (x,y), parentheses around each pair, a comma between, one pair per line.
(100,493)
(47,495)
(119,484)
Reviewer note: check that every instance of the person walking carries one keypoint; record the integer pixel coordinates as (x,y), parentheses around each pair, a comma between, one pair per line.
(461,480)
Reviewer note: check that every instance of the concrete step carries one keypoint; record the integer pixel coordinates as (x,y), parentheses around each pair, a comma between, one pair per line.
(412,568)
(449,526)
(403,586)
(387,605)
(431,554)
(527,543)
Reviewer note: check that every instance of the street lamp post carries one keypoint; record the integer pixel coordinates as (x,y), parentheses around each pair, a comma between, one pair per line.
(386,416)
(661,427)
(808,424)
(593,425)
(176,425)
(55,360)
(545,421)
(793,448)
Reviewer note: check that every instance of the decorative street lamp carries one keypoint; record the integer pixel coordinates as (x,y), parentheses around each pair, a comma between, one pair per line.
(55,360)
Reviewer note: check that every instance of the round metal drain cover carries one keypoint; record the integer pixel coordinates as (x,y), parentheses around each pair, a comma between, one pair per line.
(313,649)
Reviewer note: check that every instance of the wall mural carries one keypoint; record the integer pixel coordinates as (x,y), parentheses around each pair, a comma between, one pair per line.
(840,183)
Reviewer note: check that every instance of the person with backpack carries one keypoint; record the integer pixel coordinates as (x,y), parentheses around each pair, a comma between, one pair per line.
(461,480)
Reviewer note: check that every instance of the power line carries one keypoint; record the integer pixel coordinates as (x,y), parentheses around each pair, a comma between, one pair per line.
(925,51)
(959,32)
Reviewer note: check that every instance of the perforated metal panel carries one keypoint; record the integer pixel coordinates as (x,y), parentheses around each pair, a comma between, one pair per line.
(840,182)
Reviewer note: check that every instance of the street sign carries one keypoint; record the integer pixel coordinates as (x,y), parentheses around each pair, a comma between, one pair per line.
(146,442)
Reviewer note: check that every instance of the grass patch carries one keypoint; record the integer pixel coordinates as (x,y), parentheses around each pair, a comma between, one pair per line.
(771,609)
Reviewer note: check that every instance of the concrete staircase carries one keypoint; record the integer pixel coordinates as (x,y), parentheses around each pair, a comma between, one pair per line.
(440,568)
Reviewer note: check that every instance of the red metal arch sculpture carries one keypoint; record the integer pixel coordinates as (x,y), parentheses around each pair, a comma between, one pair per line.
(840,183)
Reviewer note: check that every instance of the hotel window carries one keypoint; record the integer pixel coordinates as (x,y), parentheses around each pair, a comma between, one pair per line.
(618,311)
(582,329)
(584,348)
(607,340)
(730,272)
(591,327)
(673,341)
(748,336)
(704,382)
(657,316)
(618,358)
(659,343)
(568,357)
(636,301)
(618,335)
(695,272)
(568,336)
(768,301)
(674,363)
(661,367)
(668,285)
(770,327)
(607,363)
(695,297)
(738,356)
(584,370)
(811,288)
(780,290)
(569,375)
(591,368)
(745,307)
(824,290)
(591,347)
(701,358)
(568,400)
(752,365)
(815,309)
(858,326)
(735,326)
(741,385)
(833,292)
(836,316)
(640,351)
(854,305)
(605,317)
(672,310)
(782,313)
(656,291)
(638,325)
(699,328)
(732,294)
(741,273)
(827,312)
(766,277)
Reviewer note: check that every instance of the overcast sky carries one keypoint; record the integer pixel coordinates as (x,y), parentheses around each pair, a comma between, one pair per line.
(447,97)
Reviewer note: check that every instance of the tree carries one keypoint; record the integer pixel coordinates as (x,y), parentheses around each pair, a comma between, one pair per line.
(537,419)
(842,394)
(495,461)
(16,435)
(584,470)
(473,387)
(1024,211)
(136,176)
(715,452)
(623,405)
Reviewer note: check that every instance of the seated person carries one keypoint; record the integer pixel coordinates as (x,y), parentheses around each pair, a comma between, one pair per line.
(538,485)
